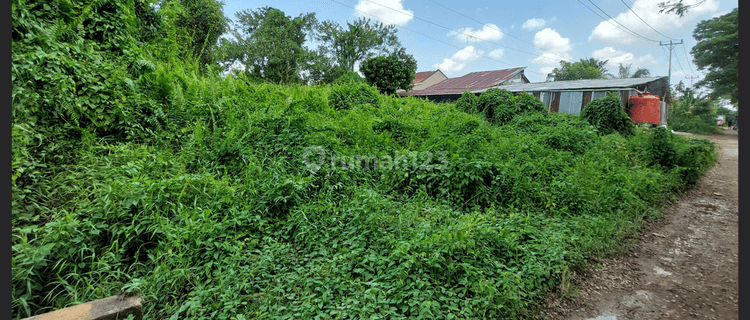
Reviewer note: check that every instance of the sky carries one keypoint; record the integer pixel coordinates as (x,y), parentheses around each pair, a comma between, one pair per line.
(459,37)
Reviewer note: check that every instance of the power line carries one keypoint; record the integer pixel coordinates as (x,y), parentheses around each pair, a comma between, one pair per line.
(644,21)
(630,32)
(503,32)
(449,29)
(680,64)
(671,47)
(688,59)
(424,35)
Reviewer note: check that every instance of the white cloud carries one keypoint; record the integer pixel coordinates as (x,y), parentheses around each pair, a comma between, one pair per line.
(533,24)
(459,60)
(648,10)
(381,10)
(615,57)
(557,48)
(488,32)
(496,54)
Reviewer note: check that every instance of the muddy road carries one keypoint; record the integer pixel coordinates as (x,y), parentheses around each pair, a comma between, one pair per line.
(683,267)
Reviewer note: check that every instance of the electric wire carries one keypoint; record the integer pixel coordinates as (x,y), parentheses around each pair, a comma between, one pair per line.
(680,64)
(503,32)
(630,32)
(644,21)
(438,40)
(688,59)
(449,29)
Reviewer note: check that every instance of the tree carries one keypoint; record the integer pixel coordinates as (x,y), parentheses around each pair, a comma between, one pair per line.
(270,44)
(203,22)
(360,40)
(577,70)
(717,51)
(678,8)
(390,73)
(624,72)
(593,62)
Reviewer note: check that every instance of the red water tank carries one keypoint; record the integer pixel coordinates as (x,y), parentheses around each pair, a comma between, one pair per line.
(645,108)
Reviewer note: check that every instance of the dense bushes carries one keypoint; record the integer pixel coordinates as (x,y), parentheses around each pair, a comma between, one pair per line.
(499,106)
(252,200)
(468,102)
(693,114)
(526,104)
(607,115)
(348,95)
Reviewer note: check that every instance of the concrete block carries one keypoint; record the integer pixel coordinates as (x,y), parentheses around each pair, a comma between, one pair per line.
(112,308)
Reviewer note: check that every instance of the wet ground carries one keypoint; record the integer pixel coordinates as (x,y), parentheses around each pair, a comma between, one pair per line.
(684,266)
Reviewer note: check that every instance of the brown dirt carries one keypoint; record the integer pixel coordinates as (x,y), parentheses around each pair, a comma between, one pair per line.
(684,267)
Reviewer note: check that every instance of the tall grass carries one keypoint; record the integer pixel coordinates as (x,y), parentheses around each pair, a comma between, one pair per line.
(199,195)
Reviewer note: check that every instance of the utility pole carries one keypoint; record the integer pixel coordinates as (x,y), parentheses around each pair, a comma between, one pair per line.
(671,46)
(691,80)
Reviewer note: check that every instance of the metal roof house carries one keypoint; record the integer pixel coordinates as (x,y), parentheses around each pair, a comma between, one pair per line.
(451,89)
(425,79)
(573,95)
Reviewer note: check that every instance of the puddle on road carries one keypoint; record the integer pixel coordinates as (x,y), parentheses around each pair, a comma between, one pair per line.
(662,271)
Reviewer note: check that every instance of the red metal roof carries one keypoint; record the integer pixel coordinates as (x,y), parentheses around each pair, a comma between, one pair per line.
(420,76)
(472,81)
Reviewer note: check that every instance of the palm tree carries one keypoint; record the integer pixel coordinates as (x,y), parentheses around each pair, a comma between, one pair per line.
(624,72)
(593,62)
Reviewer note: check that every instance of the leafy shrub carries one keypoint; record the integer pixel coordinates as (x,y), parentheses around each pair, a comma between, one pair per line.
(607,115)
(468,102)
(661,150)
(695,157)
(345,96)
(694,124)
(526,103)
(559,131)
(349,77)
(497,105)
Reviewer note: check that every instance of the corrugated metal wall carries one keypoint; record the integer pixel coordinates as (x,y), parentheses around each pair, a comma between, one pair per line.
(570,102)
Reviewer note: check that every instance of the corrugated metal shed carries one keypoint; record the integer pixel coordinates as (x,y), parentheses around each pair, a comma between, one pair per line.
(590,84)
(572,96)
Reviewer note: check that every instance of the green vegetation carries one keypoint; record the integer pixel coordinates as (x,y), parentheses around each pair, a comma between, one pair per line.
(589,68)
(717,51)
(468,102)
(136,167)
(390,73)
(693,113)
(608,116)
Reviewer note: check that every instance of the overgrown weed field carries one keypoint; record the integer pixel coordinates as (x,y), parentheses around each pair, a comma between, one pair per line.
(220,198)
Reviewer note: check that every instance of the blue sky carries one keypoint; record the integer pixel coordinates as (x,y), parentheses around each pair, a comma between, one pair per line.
(459,37)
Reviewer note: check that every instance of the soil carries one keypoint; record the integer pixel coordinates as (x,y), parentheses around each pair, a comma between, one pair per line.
(684,266)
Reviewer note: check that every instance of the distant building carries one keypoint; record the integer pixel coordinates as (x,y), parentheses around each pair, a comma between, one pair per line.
(573,95)
(451,89)
(425,79)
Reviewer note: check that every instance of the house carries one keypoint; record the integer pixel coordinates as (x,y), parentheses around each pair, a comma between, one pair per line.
(573,95)
(425,79)
(451,89)
(720,120)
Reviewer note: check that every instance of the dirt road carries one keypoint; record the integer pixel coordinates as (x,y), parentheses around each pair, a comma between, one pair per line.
(684,267)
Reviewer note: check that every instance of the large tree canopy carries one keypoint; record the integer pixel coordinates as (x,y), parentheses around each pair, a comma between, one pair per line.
(585,69)
(717,51)
(390,73)
(361,39)
(270,44)
(203,21)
